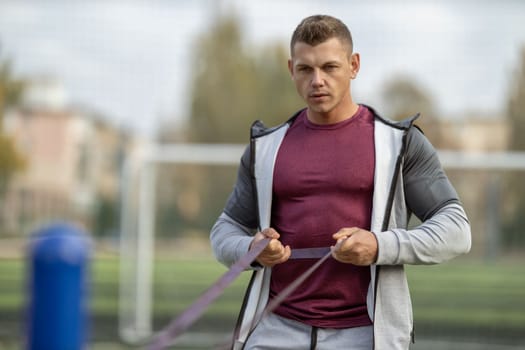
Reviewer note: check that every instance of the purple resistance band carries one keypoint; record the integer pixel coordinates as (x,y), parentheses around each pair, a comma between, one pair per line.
(178,326)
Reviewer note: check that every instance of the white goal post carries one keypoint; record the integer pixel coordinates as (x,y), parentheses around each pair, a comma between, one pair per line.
(136,240)
(137,232)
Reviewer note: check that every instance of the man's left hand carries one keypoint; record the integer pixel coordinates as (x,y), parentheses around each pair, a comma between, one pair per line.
(355,246)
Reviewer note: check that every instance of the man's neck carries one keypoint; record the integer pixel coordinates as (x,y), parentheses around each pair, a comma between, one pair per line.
(333,116)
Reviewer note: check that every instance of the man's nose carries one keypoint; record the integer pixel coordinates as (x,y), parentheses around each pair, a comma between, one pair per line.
(317,78)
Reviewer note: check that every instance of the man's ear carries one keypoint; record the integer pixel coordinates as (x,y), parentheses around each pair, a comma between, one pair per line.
(290,67)
(355,64)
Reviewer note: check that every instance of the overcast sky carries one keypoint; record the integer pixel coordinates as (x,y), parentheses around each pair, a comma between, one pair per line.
(131,60)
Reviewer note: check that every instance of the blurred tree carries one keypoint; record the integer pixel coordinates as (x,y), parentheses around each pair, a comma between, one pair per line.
(233,84)
(106,216)
(11,161)
(11,89)
(515,113)
(404,98)
(516,107)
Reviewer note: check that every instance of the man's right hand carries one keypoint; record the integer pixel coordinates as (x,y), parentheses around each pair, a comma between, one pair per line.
(274,253)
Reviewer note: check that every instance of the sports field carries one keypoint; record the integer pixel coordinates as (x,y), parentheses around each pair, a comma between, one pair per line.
(466,301)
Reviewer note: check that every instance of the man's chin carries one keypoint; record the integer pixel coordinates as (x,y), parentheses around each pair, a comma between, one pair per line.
(317,108)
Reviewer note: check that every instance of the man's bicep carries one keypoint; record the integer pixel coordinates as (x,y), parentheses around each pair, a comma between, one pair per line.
(427,187)
(241,204)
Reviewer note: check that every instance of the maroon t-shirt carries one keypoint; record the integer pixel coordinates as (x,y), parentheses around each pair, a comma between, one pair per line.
(323,181)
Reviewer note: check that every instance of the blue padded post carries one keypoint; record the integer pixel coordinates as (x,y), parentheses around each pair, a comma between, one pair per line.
(59,257)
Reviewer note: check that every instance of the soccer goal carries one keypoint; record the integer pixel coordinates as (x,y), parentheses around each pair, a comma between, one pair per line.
(137,233)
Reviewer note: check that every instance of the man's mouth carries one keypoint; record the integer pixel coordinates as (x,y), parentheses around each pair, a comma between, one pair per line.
(317,95)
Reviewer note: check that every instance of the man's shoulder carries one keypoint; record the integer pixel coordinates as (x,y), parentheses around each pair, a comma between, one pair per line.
(258,128)
(403,124)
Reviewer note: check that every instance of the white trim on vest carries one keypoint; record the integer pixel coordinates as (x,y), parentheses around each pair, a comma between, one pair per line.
(388,143)
(266,151)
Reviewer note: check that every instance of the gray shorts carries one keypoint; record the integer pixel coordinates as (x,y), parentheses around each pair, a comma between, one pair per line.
(278,333)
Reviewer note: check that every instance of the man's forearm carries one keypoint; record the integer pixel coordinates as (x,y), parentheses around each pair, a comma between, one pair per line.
(229,239)
(440,238)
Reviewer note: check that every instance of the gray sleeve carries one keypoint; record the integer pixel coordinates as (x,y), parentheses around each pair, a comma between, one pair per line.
(232,233)
(440,238)
(229,240)
(426,185)
(241,204)
(445,230)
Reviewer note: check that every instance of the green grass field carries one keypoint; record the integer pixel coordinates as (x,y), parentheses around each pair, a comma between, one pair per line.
(458,300)
(469,301)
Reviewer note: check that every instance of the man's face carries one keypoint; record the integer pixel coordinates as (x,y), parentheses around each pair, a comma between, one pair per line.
(322,75)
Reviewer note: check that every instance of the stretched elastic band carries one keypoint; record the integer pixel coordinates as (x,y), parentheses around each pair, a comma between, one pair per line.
(309,253)
(165,337)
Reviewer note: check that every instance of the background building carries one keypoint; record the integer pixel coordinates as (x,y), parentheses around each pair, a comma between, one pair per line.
(73,161)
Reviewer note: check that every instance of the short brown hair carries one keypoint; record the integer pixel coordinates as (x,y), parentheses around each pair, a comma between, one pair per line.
(317,29)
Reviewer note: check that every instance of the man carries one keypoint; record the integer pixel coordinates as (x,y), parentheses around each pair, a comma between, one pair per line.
(336,175)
